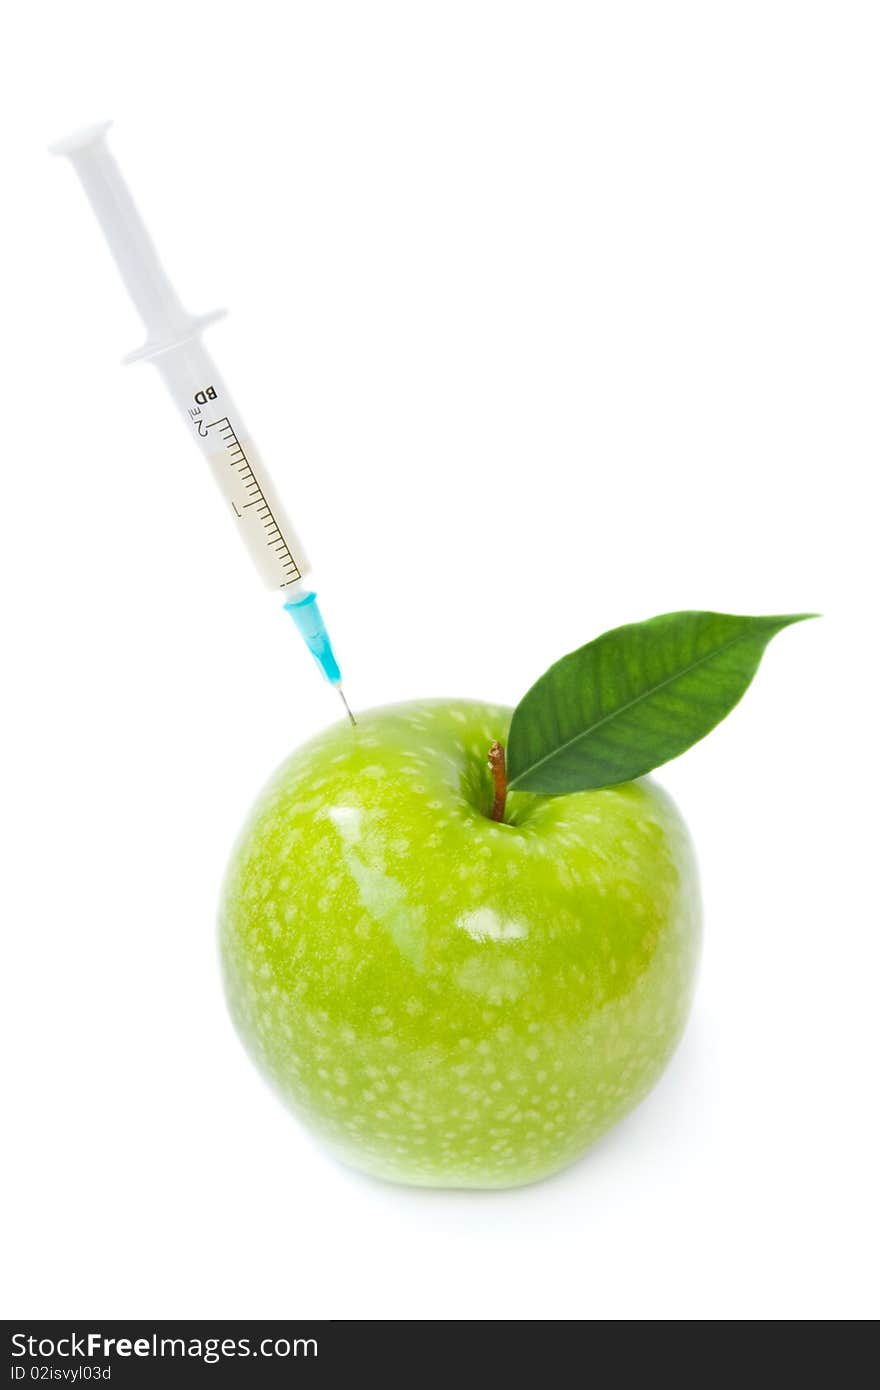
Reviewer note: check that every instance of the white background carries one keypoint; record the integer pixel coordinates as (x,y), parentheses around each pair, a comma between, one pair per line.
(547,317)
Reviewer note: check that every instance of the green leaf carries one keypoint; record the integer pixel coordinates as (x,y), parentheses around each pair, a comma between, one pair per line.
(633,699)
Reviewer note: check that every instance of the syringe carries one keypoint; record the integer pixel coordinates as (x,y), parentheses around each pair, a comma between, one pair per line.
(174,344)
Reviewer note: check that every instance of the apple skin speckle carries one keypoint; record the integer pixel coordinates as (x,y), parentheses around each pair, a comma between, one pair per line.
(445,1000)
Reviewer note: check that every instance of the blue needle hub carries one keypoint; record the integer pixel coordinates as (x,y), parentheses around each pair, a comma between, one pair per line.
(307,616)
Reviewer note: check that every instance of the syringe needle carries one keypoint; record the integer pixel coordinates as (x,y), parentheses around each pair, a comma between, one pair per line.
(347,709)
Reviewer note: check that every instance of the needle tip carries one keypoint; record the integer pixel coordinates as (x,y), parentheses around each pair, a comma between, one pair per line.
(347,707)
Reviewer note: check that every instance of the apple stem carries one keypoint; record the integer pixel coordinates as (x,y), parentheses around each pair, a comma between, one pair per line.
(499,777)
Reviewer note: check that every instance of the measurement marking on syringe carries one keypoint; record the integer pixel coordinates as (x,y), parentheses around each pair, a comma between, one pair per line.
(274,537)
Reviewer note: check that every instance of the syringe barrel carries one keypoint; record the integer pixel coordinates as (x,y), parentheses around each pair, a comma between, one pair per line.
(215,425)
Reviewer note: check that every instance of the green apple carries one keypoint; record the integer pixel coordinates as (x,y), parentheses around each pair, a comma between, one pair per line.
(447,1000)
